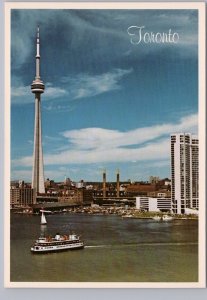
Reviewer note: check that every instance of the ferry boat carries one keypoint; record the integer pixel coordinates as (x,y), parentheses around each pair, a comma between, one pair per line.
(56,244)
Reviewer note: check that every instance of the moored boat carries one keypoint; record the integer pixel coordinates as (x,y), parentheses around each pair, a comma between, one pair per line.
(167,218)
(127,216)
(157,218)
(58,243)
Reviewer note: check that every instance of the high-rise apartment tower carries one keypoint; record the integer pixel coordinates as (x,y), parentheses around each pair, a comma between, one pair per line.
(184,172)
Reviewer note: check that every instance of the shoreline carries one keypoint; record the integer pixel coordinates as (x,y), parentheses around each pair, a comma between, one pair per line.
(130,214)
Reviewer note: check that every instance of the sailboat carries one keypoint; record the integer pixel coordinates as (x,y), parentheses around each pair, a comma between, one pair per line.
(43,218)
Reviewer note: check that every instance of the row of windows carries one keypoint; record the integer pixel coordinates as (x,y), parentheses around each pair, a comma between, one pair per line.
(56,243)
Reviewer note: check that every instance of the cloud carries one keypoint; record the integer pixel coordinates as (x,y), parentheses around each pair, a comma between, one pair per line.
(58,108)
(23,95)
(52,138)
(52,92)
(87,25)
(86,85)
(99,145)
(90,138)
(80,86)
(21,174)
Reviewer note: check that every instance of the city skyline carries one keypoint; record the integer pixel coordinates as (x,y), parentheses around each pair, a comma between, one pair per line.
(108,103)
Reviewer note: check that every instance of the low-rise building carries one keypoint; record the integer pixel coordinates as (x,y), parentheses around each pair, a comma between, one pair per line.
(141,189)
(72,197)
(109,194)
(154,204)
(77,196)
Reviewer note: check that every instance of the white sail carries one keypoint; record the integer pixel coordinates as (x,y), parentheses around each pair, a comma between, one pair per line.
(43,219)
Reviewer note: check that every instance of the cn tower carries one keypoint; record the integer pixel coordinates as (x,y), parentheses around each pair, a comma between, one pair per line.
(37,88)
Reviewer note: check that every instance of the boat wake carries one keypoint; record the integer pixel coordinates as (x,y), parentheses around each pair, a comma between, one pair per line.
(99,246)
(142,244)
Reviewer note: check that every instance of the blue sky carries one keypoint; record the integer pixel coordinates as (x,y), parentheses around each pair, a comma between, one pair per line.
(108,103)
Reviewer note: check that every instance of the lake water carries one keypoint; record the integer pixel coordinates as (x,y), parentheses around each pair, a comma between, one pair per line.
(117,250)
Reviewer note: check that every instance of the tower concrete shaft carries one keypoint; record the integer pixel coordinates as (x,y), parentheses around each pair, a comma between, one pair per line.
(37,88)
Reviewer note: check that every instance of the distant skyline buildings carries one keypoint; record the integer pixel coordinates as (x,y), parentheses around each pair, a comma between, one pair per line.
(108,104)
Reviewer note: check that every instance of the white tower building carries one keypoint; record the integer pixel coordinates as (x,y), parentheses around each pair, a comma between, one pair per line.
(194,172)
(184,172)
(37,88)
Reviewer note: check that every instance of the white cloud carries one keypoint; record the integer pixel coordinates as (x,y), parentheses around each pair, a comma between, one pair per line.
(23,162)
(80,86)
(89,138)
(52,92)
(23,95)
(20,91)
(98,145)
(58,108)
(86,85)
(99,23)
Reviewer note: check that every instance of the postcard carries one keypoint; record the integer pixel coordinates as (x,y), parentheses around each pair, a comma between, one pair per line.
(105,145)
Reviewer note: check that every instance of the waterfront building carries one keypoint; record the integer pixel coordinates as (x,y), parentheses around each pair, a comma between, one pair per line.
(159,193)
(184,172)
(141,189)
(74,197)
(37,88)
(77,196)
(108,194)
(194,173)
(22,196)
(154,204)
(87,196)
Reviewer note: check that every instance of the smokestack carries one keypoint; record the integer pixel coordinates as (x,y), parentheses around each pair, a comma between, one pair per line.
(104,184)
(117,184)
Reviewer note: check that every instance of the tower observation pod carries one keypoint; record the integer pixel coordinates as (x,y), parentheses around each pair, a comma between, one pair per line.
(37,88)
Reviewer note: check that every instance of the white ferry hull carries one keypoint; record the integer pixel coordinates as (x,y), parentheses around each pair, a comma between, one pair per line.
(57,248)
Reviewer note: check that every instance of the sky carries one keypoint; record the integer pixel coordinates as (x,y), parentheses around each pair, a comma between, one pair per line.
(111,101)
